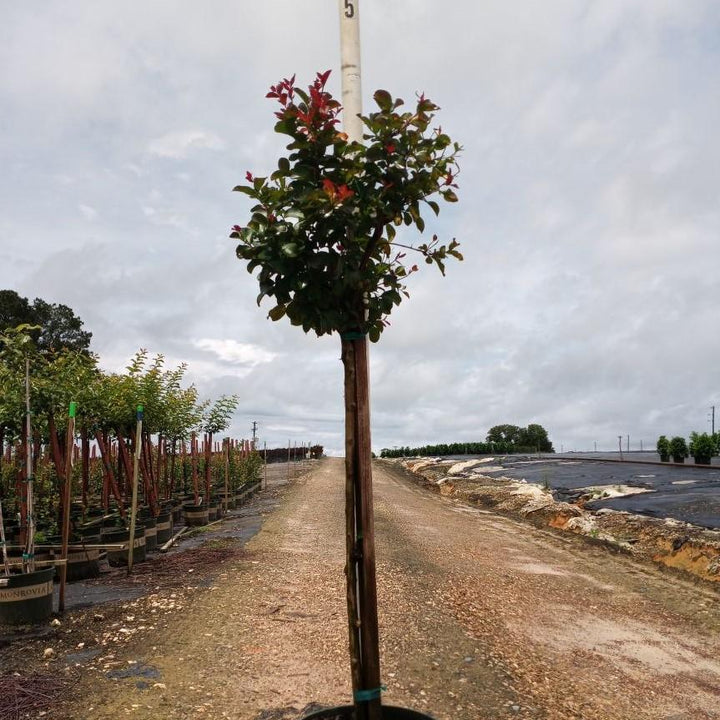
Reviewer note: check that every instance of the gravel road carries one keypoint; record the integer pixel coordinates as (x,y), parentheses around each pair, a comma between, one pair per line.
(481,617)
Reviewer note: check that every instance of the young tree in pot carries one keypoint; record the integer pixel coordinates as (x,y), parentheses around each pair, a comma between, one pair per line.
(702,448)
(323,236)
(678,449)
(663,448)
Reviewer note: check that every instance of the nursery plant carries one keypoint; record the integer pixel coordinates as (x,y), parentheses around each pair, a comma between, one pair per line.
(702,447)
(678,449)
(329,234)
(663,448)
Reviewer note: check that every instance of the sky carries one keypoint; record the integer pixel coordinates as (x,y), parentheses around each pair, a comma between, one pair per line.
(589,212)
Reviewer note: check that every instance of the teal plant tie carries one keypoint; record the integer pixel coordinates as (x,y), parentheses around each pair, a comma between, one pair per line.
(368,695)
(352,336)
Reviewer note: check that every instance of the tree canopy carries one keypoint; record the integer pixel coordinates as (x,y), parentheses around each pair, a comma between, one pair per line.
(323,230)
(58,328)
(533,437)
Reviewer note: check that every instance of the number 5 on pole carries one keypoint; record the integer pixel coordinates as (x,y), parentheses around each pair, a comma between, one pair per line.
(349,9)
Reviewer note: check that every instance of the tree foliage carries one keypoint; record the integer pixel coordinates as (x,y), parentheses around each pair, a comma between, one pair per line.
(534,437)
(58,328)
(324,225)
(500,439)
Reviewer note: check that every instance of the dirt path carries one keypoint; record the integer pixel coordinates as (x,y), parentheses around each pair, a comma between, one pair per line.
(481,617)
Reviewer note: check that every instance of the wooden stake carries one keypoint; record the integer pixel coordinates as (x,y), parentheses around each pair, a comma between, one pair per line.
(136,468)
(360,533)
(67,499)
(226,444)
(3,542)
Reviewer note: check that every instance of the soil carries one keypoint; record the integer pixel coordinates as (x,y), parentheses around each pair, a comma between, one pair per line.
(481,616)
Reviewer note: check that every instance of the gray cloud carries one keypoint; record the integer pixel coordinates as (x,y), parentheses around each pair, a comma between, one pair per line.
(588,215)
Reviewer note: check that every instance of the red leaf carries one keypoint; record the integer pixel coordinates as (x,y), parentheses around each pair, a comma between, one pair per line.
(248,176)
(322,77)
(329,187)
(344,192)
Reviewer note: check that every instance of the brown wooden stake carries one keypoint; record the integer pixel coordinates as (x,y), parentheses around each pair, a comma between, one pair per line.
(360,532)
(85,455)
(226,444)
(67,499)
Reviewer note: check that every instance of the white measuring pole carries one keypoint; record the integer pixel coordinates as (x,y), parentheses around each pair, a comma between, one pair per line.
(350,66)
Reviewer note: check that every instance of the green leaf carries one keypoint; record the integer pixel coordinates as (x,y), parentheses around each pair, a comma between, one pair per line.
(244,189)
(434,206)
(290,249)
(284,165)
(277,312)
(450,196)
(383,99)
(420,223)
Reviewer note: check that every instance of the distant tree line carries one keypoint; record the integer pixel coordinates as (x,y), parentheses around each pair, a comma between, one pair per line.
(500,439)
(277,455)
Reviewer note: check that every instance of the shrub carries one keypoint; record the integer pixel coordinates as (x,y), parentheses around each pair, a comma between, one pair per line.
(678,449)
(663,448)
(702,448)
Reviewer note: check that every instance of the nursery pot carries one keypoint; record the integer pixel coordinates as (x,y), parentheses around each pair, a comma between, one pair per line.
(164,527)
(678,459)
(120,557)
(346,712)
(195,514)
(82,563)
(26,598)
(150,525)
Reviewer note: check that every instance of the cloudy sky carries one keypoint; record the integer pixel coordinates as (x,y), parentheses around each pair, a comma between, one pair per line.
(589,209)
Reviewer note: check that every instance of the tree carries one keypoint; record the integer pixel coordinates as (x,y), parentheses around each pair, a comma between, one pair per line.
(59,327)
(702,448)
(663,448)
(509,434)
(535,436)
(323,233)
(14,310)
(678,449)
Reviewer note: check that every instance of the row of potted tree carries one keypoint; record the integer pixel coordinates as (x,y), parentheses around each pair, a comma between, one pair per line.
(702,447)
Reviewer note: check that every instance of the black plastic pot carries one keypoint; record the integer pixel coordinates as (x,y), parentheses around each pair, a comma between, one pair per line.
(195,514)
(26,598)
(678,459)
(120,557)
(150,525)
(82,563)
(164,527)
(346,712)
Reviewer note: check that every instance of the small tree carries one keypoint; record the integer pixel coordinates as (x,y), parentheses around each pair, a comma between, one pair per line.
(324,235)
(702,448)
(678,449)
(663,448)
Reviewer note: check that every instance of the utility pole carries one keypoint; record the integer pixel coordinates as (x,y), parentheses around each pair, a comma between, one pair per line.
(254,431)
(628,443)
(620,445)
(712,410)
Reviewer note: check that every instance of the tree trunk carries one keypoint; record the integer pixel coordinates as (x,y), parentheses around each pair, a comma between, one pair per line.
(106,457)
(360,533)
